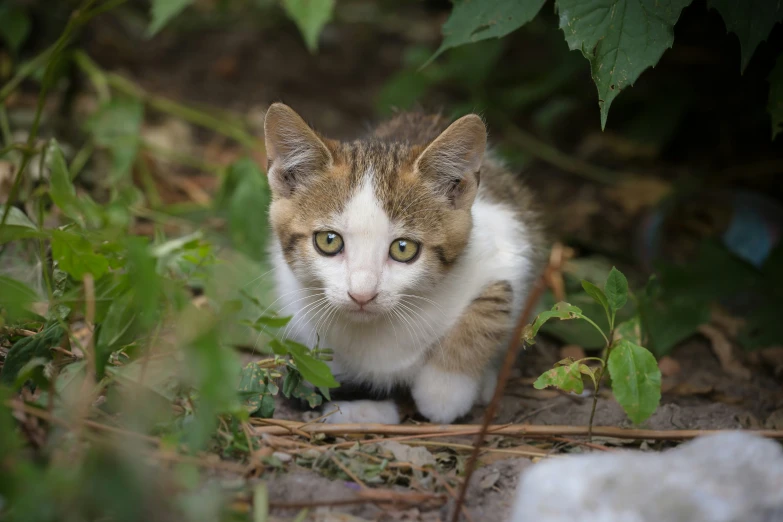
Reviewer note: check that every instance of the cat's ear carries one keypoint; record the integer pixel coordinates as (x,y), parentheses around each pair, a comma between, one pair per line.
(294,150)
(453,160)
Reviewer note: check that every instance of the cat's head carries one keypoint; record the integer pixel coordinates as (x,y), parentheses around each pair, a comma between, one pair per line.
(369,222)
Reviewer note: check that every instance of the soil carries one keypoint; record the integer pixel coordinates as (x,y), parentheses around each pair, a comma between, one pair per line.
(245,70)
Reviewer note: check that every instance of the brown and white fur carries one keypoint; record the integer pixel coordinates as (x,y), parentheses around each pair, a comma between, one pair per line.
(435,325)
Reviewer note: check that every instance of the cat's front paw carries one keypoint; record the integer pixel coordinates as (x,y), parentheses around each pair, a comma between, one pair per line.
(362,412)
(443,396)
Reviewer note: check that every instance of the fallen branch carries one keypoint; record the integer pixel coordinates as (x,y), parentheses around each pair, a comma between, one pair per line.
(515,430)
(381,496)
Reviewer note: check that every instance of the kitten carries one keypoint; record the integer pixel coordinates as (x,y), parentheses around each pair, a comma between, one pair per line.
(409,253)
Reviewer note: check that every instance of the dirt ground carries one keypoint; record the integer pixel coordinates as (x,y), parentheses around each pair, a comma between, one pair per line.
(244,70)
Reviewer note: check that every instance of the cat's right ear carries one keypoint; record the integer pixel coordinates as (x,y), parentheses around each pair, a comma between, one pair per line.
(294,150)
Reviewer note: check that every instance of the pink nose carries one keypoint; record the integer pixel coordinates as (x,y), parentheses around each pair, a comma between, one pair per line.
(362,299)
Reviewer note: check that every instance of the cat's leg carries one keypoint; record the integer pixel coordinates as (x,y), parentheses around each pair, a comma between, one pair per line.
(452,379)
(352,405)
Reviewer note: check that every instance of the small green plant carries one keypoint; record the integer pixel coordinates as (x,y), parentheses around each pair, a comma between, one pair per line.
(636,379)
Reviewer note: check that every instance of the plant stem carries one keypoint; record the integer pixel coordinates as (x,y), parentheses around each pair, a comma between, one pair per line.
(5,126)
(551,155)
(596,327)
(198,117)
(25,71)
(78,18)
(604,369)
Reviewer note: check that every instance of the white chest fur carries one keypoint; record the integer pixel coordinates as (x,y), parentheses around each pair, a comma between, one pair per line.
(391,349)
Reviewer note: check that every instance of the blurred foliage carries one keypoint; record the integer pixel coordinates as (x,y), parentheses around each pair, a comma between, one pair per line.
(137,327)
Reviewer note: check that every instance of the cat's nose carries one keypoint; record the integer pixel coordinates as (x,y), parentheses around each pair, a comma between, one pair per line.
(362,298)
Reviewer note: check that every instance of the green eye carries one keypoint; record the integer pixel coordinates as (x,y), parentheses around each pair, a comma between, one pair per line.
(328,243)
(404,250)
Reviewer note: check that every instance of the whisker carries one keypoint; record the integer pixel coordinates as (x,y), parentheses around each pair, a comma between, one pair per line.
(289,293)
(302,314)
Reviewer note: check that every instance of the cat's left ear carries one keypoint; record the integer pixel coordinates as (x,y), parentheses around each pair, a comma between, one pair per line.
(295,151)
(452,162)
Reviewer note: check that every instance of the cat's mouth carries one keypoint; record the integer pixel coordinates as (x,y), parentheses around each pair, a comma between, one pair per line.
(362,313)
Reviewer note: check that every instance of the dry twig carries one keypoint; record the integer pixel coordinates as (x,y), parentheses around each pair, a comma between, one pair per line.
(515,430)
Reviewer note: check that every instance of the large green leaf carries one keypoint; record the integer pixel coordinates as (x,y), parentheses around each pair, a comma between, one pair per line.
(60,187)
(775,101)
(568,378)
(15,298)
(17,226)
(256,388)
(77,256)
(116,126)
(243,199)
(474,20)
(115,330)
(562,311)
(14,26)
(598,295)
(310,16)
(620,38)
(314,371)
(163,11)
(636,380)
(750,20)
(29,348)
(616,290)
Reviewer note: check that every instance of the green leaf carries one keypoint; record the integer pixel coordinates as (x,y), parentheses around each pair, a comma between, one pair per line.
(15,299)
(243,199)
(212,369)
(77,256)
(253,388)
(775,100)
(267,406)
(562,311)
(60,187)
(116,126)
(616,290)
(306,393)
(636,380)
(586,370)
(314,371)
(310,16)
(750,20)
(567,378)
(25,350)
(115,331)
(620,38)
(14,26)
(471,21)
(278,348)
(162,11)
(147,285)
(291,381)
(33,370)
(597,294)
(17,226)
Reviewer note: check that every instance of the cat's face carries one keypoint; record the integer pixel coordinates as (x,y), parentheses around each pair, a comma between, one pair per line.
(370,224)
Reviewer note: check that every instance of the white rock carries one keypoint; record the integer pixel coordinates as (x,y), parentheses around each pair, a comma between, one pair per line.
(730,477)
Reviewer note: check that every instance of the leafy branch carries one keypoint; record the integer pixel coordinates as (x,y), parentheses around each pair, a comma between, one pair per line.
(619,38)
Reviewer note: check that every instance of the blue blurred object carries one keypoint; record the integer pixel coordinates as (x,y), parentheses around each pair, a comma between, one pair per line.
(753,231)
(755,227)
